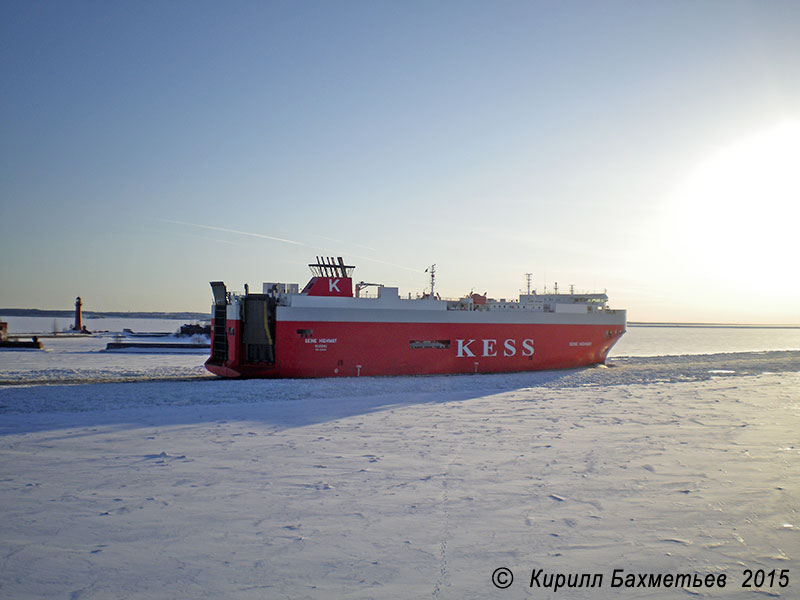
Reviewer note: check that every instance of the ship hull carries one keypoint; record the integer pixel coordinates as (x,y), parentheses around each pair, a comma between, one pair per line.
(341,348)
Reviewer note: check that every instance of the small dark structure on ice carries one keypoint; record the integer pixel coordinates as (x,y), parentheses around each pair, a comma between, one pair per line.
(17,343)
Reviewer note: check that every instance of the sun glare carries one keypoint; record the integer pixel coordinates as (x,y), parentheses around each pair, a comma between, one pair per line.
(732,227)
(739,211)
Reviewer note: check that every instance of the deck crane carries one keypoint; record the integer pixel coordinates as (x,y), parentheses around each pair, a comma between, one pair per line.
(363,284)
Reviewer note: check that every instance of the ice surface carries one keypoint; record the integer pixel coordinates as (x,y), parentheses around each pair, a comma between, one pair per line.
(645,340)
(408,487)
(84,359)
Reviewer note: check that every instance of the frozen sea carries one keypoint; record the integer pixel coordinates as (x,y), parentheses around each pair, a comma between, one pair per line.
(142,476)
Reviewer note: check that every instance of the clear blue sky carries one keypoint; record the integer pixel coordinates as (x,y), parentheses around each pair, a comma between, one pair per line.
(650,148)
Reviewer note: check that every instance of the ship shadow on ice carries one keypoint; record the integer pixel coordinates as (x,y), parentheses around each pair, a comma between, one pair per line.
(280,403)
(290,403)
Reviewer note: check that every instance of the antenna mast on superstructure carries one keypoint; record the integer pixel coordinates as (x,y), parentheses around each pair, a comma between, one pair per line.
(433,278)
(528,281)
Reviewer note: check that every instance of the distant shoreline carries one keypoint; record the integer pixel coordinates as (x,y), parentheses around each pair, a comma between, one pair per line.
(88,314)
(65,314)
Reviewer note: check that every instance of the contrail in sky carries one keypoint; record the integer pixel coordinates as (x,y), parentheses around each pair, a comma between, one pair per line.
(210,239)
(322,237)
(383,262)
(277,239)
(257,235)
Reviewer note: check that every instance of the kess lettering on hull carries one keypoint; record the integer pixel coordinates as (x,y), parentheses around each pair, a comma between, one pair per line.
(490,348)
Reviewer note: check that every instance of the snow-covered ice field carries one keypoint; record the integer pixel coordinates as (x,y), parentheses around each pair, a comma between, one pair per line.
(186,486)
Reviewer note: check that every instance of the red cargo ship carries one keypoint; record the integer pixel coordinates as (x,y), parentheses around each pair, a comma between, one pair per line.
(325,330)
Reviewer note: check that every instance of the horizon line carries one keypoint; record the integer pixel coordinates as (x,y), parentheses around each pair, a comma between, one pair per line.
(70,311)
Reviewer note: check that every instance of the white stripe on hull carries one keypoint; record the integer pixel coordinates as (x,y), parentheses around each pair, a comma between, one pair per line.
(377,315)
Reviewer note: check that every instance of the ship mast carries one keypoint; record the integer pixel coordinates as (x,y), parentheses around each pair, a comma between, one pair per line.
(432,269)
